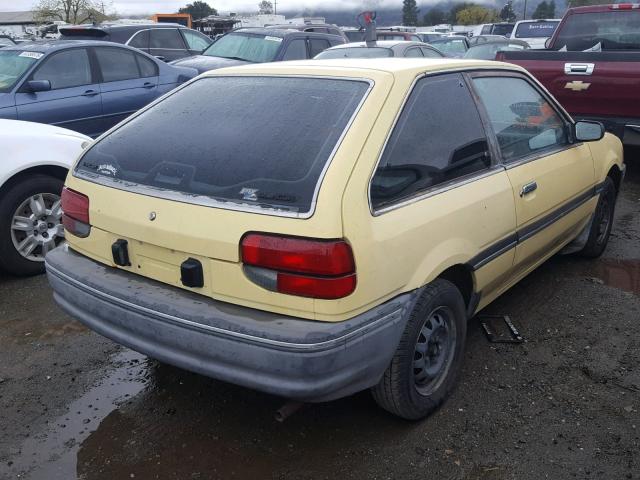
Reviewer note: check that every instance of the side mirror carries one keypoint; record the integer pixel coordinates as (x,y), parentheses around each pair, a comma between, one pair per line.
(588,131)
(39,85)
(547,42)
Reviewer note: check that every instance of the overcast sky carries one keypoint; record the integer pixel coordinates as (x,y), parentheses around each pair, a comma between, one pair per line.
(225,6)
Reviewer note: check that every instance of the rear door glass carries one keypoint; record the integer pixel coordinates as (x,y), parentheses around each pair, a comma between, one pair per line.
(166,38)
(117,64)
(222,141)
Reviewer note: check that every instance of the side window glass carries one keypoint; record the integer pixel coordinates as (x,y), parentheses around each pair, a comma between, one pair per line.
(413,52)
(297,50)
(70,68)
(117,64)
(439,137)
(166,38)
(318,45)
(195,40)
(523,121)
(427,52)
(147,67)
(486,30)
(140,40)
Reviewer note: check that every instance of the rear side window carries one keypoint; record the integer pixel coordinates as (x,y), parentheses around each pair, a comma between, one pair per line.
(251,150)
(413,52)
(195,40)
(70,68)
(318,45)
(296,50)
(166,38)
(439,137)
(147,67)
(140,40)
(117,64)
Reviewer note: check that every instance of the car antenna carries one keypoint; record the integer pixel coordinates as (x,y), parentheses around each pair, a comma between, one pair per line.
(370,33)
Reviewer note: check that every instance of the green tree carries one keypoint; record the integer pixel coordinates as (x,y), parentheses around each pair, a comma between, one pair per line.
(198,10)
(265,7)
(71,11)
(452,17)
(541,10)
(410,13)
(475,15)
(551,9)
(435,16)
(507,14)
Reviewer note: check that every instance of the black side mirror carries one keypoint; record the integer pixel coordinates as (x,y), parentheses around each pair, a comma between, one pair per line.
(588,131)
(38,85)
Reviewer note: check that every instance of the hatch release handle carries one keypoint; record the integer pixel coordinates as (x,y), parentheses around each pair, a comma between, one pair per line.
(579,68)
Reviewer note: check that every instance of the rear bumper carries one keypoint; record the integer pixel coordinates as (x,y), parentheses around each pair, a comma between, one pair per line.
(295,358)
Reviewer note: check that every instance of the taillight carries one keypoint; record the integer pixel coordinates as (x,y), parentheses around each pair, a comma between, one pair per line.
(624,6)
(299,266)
(75,212)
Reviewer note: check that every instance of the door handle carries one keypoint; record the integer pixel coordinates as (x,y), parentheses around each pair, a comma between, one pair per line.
(90,93)
(528,188)
(578,68)
(148,85)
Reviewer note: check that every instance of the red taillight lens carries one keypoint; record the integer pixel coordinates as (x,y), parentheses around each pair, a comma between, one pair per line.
(624,6)
(75,212)
(299,266)
(298,255)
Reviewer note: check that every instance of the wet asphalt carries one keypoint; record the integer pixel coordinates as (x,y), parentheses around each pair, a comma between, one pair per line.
(564,404)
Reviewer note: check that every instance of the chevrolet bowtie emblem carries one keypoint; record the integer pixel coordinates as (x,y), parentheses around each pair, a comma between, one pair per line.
(577,85)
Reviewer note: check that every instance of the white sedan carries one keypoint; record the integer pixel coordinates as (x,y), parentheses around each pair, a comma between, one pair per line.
(34,163)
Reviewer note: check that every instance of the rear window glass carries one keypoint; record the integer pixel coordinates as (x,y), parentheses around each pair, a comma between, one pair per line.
(601,31)
(536,29)
(223,140)
(356,52)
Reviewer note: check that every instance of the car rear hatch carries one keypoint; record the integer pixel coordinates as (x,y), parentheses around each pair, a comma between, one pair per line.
(190,178)
(83,33)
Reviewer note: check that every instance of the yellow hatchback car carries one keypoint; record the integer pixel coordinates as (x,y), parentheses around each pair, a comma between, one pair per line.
(313,229)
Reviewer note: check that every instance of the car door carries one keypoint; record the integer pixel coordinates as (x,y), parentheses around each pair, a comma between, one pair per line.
(167,44)
(129,81)
(437,192)
(552,178)
(74,100)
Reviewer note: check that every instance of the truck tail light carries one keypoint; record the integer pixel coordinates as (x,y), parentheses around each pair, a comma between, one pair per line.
(624,6)
(75,212)
(304,267)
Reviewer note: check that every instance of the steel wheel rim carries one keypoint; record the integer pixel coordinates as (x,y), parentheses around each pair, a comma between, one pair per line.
(36,226)
(604,221)
(434,350)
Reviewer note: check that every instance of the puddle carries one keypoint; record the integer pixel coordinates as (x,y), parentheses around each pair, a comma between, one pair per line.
(52,455)
(622,274)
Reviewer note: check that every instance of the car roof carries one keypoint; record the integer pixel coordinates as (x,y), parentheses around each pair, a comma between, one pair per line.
(53,45)
(363,68)
(514,41)
(379,43)
(281,33)
(121,26)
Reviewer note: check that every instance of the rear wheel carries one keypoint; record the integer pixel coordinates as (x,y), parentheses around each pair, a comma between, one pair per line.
(602,221)
(426,365)
(30,224)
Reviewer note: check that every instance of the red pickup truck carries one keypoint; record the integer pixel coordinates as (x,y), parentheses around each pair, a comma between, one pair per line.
(592,66)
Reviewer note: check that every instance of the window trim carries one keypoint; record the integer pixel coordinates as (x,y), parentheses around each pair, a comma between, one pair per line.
(205,201)
(543,152)
(135,35)
(38,66)
(441,187)
(413,47)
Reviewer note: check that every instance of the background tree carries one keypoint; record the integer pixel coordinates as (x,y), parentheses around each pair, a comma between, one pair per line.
(475,15)
(410,13)
(198,10)
(544,10)
(265,7)
(507,13)
(435,16)
(71,11)
(452,17)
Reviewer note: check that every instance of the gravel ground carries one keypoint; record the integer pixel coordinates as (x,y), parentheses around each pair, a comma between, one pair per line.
(564,404)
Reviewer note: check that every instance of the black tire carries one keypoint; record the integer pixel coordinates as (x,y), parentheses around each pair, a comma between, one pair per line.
(10,260)
(602,221)
(400,391)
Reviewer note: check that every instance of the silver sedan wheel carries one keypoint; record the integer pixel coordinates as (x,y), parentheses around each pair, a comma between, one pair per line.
(36,226)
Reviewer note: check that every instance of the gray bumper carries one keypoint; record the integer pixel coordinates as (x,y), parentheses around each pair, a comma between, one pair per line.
(295,358)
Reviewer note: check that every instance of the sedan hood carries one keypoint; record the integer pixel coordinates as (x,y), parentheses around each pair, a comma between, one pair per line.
(203,63)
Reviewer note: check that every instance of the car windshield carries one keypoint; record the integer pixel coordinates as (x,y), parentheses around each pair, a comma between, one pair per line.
(356,52)
(232,142)
(13,65)
(450,46)
(615,30)
(245,46)
(488,51)
(540,29)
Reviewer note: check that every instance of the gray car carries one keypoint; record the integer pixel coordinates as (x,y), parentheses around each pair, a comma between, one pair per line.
(488,50)
(385,48)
